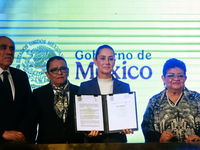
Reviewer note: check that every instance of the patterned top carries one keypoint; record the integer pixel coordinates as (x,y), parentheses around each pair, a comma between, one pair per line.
(181,120)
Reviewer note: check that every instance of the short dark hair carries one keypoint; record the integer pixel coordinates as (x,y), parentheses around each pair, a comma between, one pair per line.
(172,63)
(53,58)
(101,47)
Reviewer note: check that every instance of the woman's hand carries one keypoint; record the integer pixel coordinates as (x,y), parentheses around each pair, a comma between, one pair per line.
(93,133)
(126,131)
(193,138)
(166,137)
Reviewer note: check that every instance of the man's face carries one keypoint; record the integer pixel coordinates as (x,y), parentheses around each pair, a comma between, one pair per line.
(7,50)
(59,78)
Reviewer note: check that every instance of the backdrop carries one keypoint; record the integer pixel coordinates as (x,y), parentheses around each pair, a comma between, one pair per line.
(143,33)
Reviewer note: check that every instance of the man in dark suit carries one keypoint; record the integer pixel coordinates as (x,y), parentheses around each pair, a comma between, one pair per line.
(15,94)
(55,105)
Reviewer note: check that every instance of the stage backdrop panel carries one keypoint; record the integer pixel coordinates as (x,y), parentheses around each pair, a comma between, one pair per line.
(143,33)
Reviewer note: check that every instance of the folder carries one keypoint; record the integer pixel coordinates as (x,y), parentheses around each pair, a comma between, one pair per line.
(106,113)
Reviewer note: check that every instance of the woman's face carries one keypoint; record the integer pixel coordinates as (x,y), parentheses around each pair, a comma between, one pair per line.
(105,62)
(174,79)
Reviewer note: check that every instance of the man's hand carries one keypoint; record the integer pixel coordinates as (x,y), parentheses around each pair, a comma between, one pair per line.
(14,136)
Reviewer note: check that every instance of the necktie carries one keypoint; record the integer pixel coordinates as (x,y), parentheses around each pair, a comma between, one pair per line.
(7,84)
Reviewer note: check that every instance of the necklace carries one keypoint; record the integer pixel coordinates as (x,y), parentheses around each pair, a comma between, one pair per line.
(170,103)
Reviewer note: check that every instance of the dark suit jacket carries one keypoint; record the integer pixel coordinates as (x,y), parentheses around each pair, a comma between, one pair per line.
(51,127)
(12,113)
(92,87)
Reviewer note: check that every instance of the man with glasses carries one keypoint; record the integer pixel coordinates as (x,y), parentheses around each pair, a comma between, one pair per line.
(15,95)
(55,101)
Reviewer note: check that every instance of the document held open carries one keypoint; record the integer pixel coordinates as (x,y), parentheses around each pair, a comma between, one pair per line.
(106,113)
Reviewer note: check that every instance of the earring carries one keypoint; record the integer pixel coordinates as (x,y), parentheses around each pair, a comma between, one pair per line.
(165,86)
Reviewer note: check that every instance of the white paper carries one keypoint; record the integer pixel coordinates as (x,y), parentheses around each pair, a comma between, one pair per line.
(89,114)
(121,111)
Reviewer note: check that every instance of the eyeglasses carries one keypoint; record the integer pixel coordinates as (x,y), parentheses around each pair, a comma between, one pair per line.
(56,70)
(172,76)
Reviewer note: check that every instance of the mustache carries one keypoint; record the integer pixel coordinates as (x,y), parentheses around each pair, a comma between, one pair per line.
(8,56)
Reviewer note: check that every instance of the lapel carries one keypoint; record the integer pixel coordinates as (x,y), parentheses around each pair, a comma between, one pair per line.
(71,91)
(45,99)
(116,86)
(94,87)
(49,95)
(17,83)
(71,98)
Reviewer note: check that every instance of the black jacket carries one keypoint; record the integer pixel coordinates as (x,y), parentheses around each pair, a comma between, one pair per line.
(51,127)
(12,113)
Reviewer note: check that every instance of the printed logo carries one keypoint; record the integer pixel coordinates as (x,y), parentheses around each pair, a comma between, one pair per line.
(32,59)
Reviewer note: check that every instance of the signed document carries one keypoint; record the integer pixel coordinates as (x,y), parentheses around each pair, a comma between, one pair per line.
(107,113)
(89,113)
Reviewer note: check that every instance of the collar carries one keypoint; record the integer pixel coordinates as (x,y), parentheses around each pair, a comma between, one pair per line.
(66,85)
(1,70)
(187,93)
(105,80)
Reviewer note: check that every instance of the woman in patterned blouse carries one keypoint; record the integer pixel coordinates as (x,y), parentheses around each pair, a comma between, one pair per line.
(173,114)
